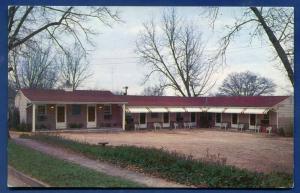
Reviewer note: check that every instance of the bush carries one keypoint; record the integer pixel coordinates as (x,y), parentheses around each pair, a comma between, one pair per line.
(75,125)
(23,127)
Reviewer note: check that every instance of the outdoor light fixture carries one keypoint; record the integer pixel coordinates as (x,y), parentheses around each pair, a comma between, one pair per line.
(51,107)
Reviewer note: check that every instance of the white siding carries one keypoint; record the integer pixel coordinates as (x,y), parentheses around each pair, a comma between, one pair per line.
(21,104)
(285,111)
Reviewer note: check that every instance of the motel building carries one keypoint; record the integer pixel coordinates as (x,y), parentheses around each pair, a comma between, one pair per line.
(93,109)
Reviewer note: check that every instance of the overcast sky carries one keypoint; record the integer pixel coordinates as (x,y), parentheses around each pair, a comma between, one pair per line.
(115,64)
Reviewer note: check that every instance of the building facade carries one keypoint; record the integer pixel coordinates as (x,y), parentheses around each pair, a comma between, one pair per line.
(85,109)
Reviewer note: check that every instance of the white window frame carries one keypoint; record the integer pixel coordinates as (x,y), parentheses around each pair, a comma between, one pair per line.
(110,109)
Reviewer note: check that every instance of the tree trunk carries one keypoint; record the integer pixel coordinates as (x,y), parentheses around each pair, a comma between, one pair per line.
(276,44)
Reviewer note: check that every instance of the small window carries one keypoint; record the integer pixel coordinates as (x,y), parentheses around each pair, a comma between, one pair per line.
(154,115)
(41,110)
(107,109)
(234,118)
(218,117)
(76,110)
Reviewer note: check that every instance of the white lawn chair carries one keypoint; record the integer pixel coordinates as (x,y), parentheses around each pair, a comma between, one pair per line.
(175,125)
(224,125)
(136,126)
(269,129)
(156,125)
(257,128)
(241,126)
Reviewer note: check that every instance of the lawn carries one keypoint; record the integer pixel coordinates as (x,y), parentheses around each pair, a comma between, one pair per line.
(173,166)
(59,173)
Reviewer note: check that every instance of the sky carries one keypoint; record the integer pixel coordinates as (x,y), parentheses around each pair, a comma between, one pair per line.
(115,64)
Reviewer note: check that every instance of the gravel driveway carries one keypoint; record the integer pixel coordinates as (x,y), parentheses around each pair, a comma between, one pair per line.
(257,152)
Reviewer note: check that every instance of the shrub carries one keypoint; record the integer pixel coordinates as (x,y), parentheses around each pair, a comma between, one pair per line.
(23,127)
(75,125)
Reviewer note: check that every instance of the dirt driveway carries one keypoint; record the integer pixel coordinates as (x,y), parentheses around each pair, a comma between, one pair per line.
(258,152)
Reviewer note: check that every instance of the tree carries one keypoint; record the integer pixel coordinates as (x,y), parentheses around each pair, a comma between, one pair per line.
(74,67)
(36,69)
(153,91)
(275,23)
(26,24)
(246,84)
(175,52)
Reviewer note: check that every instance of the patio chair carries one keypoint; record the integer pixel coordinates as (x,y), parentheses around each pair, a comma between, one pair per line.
(241,126)
(156,125)
(224,125)
(175,125)
(257,128)
(136,126)
(269,129)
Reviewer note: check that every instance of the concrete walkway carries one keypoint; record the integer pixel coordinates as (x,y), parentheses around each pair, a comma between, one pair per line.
(108,169)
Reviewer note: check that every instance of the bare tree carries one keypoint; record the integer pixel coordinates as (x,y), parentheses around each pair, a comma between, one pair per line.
(28,23)
(175,52)
(277,24)
(36,69)
(246,84)
(153,91)
(74,67)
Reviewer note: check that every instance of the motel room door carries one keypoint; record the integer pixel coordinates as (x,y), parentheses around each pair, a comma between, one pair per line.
(91,116)
(61,122)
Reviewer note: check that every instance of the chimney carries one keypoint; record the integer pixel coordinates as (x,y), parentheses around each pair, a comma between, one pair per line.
(126,88)
(68,86)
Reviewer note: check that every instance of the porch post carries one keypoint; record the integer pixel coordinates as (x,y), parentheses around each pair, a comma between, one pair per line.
(123,117)
(33,118)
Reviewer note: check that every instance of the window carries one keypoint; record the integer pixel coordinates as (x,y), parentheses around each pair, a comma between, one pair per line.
(142,118)
(179,117)
(266,119)
(76,109)
(107,109)
(193,117)
(252,119)
(234,118)
(166,117)
(154,115)
(41,110)
(218,117)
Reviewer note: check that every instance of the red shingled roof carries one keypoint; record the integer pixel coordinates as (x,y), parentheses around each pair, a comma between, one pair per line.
(222,101)
(107,96)
(70,96)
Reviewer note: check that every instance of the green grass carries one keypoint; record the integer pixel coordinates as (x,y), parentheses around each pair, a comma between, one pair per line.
(59,173)
(173,166)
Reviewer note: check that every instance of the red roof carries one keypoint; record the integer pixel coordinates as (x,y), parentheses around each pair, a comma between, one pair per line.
(106,96)
(222,101)
(70,96)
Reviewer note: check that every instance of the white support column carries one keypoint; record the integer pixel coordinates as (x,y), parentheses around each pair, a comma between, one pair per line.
(33,117)
(123,117)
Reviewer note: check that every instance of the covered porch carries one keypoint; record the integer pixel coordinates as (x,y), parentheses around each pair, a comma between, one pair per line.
(238,118)
(45,116)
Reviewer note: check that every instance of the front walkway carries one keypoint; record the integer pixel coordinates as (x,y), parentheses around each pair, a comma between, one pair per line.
(106,168)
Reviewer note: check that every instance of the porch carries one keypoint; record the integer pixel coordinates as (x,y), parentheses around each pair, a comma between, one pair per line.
(240,119)
(68,116)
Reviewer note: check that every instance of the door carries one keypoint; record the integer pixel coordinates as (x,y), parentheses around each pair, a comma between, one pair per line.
(166,120)
(234,120)
(143,120)
(61,122)
(252,121)
(91,116)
